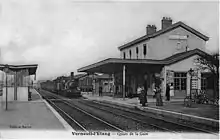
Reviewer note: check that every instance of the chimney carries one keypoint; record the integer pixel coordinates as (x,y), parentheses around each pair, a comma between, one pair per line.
(72,75)
(166,22)
(151,29)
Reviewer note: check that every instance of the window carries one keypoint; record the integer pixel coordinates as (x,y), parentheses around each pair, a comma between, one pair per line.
(87,81)
(124,55)
(178,45)
(179,81)
(137,52)
(23,80)
(130,53)
(144,49)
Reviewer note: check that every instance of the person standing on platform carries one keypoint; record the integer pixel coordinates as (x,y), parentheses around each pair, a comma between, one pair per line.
(171,90)
(1,90)
(168,92)
(139,90)
(100,90)
(143,95)
(159,101)
(145,89)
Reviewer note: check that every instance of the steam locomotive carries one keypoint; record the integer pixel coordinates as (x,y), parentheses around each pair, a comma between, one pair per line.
(67,89)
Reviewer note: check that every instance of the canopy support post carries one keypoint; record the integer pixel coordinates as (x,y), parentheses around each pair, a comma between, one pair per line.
(124,69)
(113,84)
(15,86)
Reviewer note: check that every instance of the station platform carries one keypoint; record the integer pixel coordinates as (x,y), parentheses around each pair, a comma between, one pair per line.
(33,116)
(175,105)
(174,109)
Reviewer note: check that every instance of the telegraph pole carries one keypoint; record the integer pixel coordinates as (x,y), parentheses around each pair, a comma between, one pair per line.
(6,82)
(124,90)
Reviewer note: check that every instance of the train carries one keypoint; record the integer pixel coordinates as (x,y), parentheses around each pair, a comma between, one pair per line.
(67,88)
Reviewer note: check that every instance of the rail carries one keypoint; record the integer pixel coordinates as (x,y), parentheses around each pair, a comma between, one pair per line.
(54,98)
(178,124)
(134,119)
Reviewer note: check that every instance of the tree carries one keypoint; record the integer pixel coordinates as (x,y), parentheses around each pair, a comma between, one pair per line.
(210,63)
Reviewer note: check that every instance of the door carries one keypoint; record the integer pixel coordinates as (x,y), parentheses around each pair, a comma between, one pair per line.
(180,82)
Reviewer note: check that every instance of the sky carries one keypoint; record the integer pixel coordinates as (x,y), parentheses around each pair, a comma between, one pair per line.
(64,35)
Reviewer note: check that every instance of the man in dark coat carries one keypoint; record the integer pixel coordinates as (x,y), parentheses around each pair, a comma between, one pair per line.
(100,90)
(168,92)
(142,97)
(145,91)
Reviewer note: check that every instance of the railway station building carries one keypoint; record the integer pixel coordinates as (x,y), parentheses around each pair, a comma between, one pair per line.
(160,57)
(16,81)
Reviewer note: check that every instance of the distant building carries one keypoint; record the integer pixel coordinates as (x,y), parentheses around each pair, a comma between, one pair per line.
(86,83)
(92,82)
(159,57)
(16,80)
(106,82)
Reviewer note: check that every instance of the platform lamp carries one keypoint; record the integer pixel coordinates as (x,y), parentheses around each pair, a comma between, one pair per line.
(189,104)
(190,73)
(6,69)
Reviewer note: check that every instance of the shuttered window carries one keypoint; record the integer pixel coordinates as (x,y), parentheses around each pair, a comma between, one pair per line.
(144,49)
(130,54)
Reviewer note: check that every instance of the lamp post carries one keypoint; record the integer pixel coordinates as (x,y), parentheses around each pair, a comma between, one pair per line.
(190,93)
(190,73)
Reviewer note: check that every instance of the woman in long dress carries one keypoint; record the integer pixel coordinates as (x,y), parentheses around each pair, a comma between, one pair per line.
(171,90)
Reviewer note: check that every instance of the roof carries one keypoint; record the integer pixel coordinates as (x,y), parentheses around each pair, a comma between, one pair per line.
(79,76)
(162,31)
(121,61)
(180,56)
(31,68)
(88,75)
(115,65)
(112,65)
(96,76)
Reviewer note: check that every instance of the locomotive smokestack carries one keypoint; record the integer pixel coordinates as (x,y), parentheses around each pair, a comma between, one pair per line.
(72,75)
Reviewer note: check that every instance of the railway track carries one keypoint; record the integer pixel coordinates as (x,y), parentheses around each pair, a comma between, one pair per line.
(140,119)
(73,123)
(80,120)
(121,121)
(137,126)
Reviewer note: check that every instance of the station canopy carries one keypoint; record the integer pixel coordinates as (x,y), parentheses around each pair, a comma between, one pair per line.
(31,68)
(115,65)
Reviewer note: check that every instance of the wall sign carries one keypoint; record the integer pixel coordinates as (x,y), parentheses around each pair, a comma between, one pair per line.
(194,84)
(170,76)
(178,37)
